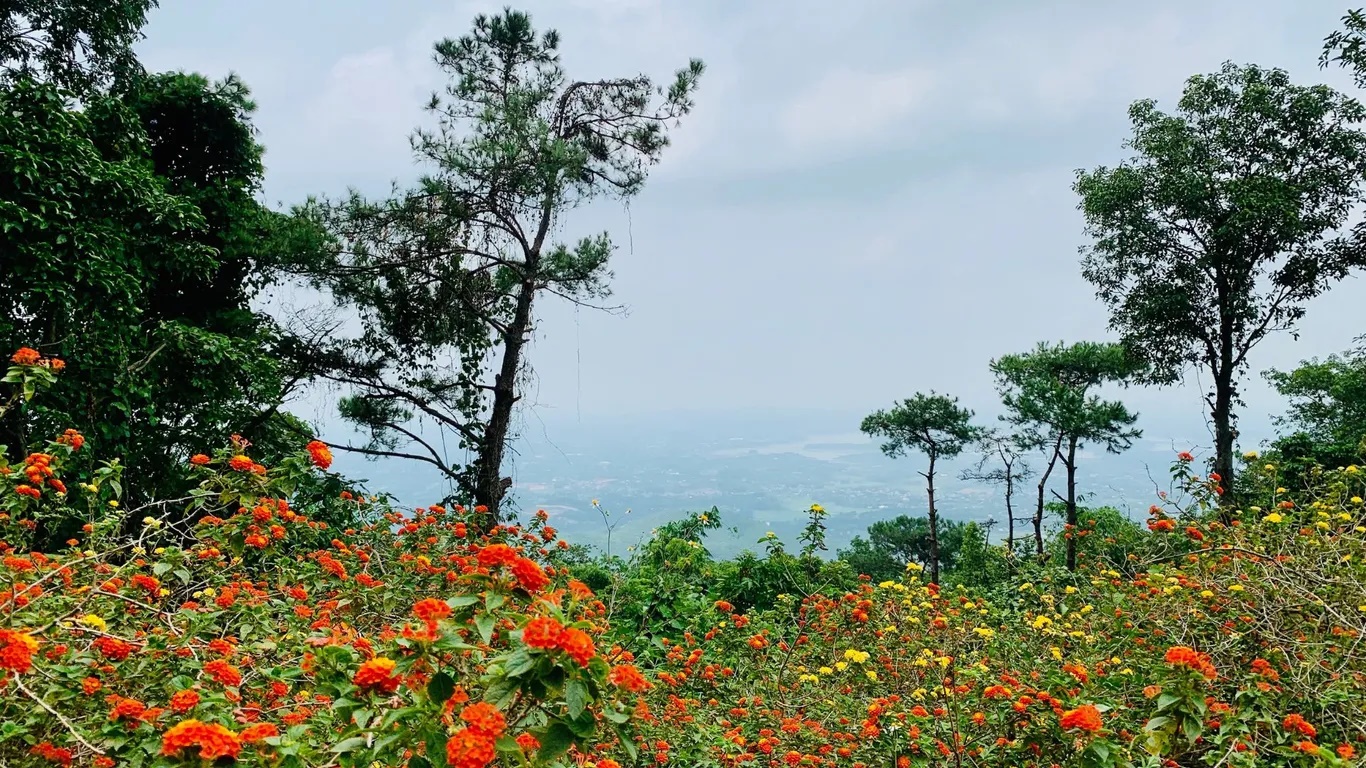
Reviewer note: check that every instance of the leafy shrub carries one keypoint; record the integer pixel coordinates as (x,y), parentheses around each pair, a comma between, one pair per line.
(232,626)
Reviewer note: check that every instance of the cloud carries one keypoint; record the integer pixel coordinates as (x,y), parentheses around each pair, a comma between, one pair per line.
(847,106)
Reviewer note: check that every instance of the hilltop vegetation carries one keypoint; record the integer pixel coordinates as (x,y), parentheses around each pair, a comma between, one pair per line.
(184,581)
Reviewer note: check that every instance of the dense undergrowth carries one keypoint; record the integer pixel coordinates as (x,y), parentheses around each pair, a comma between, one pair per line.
(232,624)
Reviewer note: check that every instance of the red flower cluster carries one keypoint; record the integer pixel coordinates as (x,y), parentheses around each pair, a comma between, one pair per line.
(377,674)
(214,741)
(1182,656)
(184,701)
(548,634)
(1297,724)
(1083,718)
(224,673)
(431,610)
(113,648)
(473,745)
(628,677)
(16,650)
(320,454)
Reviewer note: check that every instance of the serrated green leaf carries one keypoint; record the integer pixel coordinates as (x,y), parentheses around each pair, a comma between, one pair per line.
(518,663)
(576,697)
(555,741)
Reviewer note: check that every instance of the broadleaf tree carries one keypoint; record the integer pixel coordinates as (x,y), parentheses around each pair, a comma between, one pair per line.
(78,45)
(1049,396)
(932,424)
(1325,421)
(1226,221)
(446,276)
(140,245)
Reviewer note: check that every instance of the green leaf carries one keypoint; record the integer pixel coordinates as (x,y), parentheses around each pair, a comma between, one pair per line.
(500,691)
(160,569)
(441,687)
(507,745)
(1157,722)
(518,663)
(576,697)
(1191,729)
(460,601)
(555,741)
(584,726)
(418,761)
(1166,700)
(484,623)
(349,745)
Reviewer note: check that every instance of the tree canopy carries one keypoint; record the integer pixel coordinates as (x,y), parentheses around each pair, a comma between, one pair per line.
(515,146)
(932,424)
(79,45)
(1049,396)
(1224,224)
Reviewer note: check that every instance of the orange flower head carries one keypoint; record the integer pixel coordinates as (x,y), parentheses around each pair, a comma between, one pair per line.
(469,749)
(529,575)
(626,676)
(1297,724)
(431,609)
(1083,718)
(542,632)
(377,674)
(320,454)
(259,732)
(484,719)
(1183,656)
(16,650)
(184,701)
(578,645)
(214,741)
(25,356)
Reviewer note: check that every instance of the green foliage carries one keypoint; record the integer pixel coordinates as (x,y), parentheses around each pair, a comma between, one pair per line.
(979,565)
(138,247)
(80,45)
(931,423)
(1224,224)
(1048,395)
(892,544)
(1326,420)
(1049,391)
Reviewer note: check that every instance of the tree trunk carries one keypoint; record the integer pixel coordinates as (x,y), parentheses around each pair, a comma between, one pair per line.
(1010,512)
(934,524)
(1223,370)
(489,484)
(488,467)
(1224,438)
(1043,489)
(1070,464)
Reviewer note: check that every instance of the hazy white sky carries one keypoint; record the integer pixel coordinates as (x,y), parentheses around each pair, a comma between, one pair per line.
(872,197)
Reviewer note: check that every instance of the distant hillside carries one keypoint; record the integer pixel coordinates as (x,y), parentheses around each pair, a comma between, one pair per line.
(761,469)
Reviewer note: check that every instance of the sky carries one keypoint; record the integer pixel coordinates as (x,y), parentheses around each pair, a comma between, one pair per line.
(872,197)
